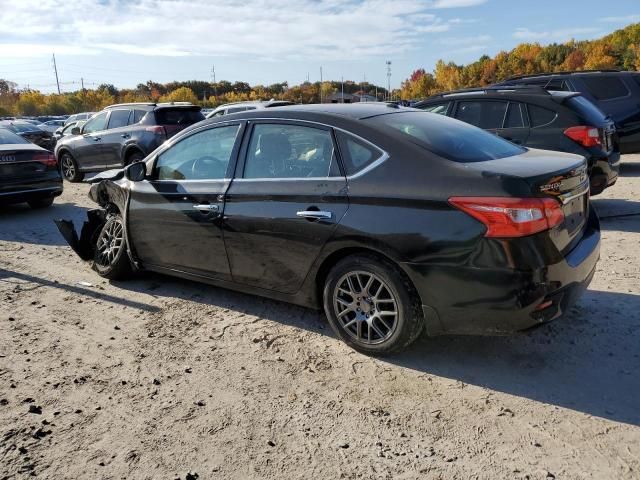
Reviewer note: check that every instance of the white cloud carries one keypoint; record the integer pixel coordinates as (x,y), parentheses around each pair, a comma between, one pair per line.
(553,35)
(622,19)
(465,41)
(256,28)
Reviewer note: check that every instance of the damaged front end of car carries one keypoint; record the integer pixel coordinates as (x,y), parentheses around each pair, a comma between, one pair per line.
(109,192)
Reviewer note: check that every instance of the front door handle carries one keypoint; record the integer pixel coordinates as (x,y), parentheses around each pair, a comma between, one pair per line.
(206,207)
(125,135)
(315,214)
(97,139)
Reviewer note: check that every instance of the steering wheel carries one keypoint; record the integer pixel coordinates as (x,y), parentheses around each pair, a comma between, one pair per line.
(203,167)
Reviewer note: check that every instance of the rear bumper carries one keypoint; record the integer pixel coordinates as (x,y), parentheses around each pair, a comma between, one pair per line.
(487,301)
(604,173)
(19,193)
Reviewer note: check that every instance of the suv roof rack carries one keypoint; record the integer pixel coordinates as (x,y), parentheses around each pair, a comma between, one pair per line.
(566,72)
(148,104)
(494,89)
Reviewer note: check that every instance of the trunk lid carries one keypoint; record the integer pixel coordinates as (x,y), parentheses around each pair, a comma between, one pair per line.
(21,161)
(562,176)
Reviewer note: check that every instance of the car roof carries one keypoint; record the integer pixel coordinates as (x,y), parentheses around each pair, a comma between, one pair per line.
(572,72)
(515,91)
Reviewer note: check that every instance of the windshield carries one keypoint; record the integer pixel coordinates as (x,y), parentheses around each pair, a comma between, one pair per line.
(448,138)
(7,137)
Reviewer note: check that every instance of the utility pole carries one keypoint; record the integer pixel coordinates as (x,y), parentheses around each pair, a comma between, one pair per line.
(342,81)
(389,79)
(215,86)
(320,84)
(82,83)
(55,69)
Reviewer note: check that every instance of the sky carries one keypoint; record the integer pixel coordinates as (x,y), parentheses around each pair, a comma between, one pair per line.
(127,42)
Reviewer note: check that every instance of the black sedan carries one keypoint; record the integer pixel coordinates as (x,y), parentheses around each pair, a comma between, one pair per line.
(30,132)
(28,173)
(392,220)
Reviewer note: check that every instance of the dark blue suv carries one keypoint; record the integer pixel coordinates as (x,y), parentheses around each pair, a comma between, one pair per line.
(615,92)
(122,134)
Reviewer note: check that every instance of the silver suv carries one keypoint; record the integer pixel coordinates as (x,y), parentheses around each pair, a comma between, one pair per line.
(236,107)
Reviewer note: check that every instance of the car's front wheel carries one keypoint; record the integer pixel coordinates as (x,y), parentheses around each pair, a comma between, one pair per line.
(111,259)
(70,169)
(371,305)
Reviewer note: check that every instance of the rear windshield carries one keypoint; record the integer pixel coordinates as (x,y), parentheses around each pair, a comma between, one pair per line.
(178,116)
(7,137)
(448,138)
(605,87)
(23,127)
(587,110)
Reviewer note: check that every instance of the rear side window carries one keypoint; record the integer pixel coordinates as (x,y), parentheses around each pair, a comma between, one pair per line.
(514,118)
(448,138)
(586,110)
(236,110)
(137,116)
(605,87)
(482,114)
(540,117)
(178,116)
(356,154)
(118,118)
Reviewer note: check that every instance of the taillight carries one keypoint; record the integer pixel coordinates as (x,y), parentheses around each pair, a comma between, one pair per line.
(507,217)
(47,158)
(157,130)
(585,136)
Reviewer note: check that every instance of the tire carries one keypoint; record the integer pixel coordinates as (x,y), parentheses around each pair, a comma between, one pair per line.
(353,317)
(134,157)
(110,259)
(43,202)
(69,168)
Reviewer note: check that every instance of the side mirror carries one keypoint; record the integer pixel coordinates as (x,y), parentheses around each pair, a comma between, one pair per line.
(75,131)
(136,171)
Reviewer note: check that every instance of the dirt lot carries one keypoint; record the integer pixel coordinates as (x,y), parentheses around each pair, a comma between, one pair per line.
(163,378)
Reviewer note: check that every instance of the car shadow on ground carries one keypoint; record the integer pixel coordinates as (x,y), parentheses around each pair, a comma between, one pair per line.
(618,214)
(586,361)
(630,169)
(20,223)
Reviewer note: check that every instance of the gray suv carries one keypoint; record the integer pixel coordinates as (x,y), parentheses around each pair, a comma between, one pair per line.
(122,134)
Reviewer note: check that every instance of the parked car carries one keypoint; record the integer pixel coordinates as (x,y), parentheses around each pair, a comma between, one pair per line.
(79,116)
(391,219)
(28,173)
(121,134)
(30,132)
(65,130)
(236,107)
(537,118)
(616,93)
(51,125)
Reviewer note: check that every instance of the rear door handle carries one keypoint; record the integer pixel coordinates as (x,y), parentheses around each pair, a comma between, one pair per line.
(97,139)
(315,214)
(206,207)
(125,135)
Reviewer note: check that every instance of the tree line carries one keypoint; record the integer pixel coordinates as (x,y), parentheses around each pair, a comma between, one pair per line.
(618,50)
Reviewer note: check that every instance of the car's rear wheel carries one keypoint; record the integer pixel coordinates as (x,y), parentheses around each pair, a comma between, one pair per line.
(371,305)
(111,259)
(41,202)
(70,169)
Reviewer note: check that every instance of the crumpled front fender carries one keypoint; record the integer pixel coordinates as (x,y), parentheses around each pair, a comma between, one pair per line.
(84,245)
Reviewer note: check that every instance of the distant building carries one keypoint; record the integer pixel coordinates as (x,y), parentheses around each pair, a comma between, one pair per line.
(350,98)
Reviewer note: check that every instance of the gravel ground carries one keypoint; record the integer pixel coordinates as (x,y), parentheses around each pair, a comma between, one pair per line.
(164,378)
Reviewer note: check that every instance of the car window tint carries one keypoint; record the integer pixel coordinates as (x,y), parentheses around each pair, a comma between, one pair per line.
(482,114)
(7,136)
(447,138)
(204,155)
(290,151)
(539,116)
(118,118)
(137,116)
(605,87)
(178,116)
(439,108)
(96,124)
(236,110)
(514,116)
(356,154)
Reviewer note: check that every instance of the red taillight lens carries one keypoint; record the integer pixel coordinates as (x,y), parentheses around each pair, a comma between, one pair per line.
(507,217)
(585,136)
(157,129)
(47,158)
